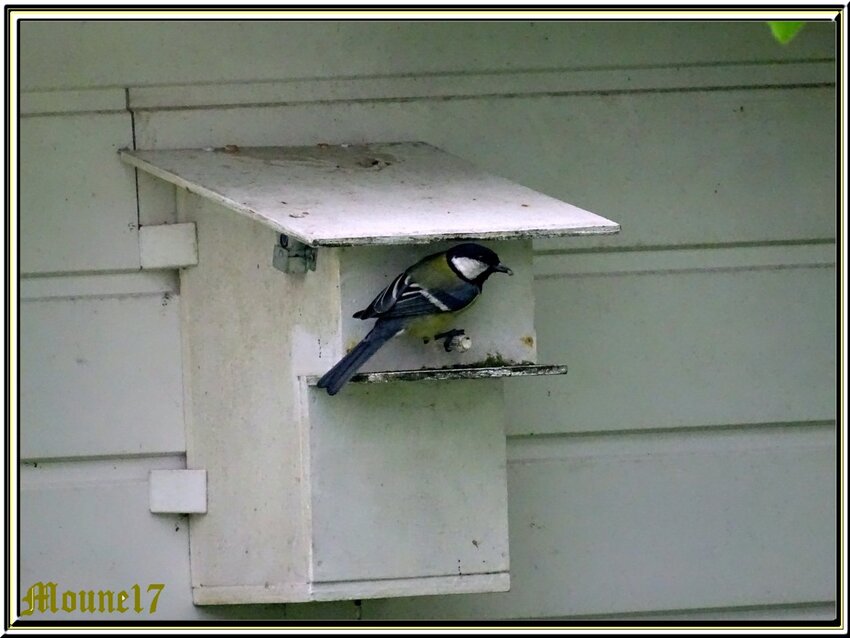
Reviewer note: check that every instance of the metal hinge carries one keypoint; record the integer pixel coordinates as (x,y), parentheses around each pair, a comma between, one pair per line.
(293,256)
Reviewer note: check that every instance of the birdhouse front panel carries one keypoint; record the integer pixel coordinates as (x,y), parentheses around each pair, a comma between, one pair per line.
(408,480)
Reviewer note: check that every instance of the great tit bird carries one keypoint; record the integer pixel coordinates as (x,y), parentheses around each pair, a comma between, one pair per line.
(421,301)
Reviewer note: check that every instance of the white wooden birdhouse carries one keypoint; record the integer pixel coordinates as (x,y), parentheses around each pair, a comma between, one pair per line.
(396,486)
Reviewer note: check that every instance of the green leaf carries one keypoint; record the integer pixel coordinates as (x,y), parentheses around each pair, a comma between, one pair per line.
(784,32)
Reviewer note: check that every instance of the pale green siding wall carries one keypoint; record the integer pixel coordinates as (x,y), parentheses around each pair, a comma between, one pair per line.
(684,468)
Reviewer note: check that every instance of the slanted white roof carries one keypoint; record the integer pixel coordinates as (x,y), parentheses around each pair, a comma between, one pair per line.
(395,193)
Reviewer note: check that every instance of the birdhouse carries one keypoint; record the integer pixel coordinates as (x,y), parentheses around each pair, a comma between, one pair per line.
(395,486)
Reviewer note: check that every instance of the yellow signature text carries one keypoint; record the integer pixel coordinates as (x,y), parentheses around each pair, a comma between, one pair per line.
(45,598)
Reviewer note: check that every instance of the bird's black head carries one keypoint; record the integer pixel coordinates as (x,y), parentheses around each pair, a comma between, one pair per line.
(474,262)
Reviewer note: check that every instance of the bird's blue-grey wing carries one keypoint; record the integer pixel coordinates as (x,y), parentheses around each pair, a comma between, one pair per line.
(416,300)
(406,298)
(386,299)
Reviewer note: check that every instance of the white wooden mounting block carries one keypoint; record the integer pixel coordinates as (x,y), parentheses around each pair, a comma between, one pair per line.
(168,246)
(178,491)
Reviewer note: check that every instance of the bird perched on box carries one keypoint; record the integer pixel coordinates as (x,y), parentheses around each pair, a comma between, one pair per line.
(421,301)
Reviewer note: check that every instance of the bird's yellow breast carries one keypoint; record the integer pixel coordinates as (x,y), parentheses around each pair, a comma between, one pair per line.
(429,325)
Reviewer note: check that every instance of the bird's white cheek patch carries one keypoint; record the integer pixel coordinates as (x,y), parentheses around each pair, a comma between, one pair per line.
(469,268)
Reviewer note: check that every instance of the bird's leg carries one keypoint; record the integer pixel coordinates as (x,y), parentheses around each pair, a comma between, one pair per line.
(450,339)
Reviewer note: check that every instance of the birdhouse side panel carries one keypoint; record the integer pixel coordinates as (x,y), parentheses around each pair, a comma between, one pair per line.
(239,314)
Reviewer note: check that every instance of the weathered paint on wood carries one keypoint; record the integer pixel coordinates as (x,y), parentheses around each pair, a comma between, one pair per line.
(367,194)
(407,481)
(429,506)
(443,374)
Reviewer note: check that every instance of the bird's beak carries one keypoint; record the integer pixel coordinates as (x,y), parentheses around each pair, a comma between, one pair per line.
(504,269)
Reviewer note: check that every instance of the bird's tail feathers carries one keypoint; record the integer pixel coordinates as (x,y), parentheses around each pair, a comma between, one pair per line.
(347,367)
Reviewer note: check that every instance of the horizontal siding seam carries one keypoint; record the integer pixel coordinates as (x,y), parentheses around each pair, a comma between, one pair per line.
(782,608)
(681,271)
(550,263)
(636,446)
(550,82)
(99,284)
(483,96)
(683,429)
(768,243)
(73,112)
(101,469)
(593,68)
(720,258)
